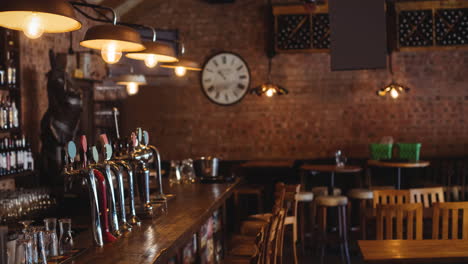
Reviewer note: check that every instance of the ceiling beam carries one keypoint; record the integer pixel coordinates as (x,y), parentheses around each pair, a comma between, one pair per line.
(127,6)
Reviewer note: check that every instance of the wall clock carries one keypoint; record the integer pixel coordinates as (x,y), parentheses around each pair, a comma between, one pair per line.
(225,78)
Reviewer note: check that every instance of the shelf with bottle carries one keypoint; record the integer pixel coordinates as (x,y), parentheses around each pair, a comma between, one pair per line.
(9,114)
(16,156)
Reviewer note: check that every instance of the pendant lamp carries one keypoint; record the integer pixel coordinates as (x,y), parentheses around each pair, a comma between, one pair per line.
(35,17)
(154,52)
(131,81)
(183,65)
(393,89)
(112,40)
(268,88)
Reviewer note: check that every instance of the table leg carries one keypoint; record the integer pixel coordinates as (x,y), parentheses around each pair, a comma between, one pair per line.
(398,178)
(332,183)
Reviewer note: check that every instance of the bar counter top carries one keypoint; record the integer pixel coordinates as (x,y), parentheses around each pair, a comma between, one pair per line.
(158,239)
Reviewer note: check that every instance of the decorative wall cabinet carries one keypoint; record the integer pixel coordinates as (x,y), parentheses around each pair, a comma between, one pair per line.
(432,25)
(299,30)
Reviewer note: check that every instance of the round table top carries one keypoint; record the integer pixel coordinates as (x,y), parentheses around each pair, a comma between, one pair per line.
(399,164)
(331,168)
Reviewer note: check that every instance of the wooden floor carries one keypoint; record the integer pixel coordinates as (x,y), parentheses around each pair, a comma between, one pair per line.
(310,257)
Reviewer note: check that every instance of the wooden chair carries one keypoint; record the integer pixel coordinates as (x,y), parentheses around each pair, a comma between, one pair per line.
(398,214)
(453,217)
(390,197)
(427,196)
(291,203)
(256,258)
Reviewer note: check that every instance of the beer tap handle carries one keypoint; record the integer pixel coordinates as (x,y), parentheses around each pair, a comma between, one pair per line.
(133,141)
(71,151)
(139,133)
(84,150)
(145,138)
(115,112)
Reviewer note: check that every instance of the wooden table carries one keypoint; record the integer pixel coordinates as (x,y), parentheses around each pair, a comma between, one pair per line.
(414,251)
(332,169)
(398,166)
(158,239)
(268,164)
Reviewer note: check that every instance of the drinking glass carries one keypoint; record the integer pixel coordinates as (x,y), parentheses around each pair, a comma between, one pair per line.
(51,236)
(340,159)
(188,173)
(24,251)
(41,247)
(174,173)
(11,251)
(66,238)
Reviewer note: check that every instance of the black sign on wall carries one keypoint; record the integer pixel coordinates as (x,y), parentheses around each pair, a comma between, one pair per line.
(358,39)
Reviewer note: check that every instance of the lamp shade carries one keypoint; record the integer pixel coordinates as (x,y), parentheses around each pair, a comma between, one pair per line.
(162,52)
(124,38)
(56,16)
(269,89)
(131,78)
(187,64)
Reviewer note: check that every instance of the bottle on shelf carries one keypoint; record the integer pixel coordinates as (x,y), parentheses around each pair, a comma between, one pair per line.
(15,155)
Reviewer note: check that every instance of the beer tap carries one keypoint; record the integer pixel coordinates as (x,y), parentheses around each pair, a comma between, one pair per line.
(117,170)
(103,213)
(133,219)
(89,179)
(103,173)
(142,173)
(160,196)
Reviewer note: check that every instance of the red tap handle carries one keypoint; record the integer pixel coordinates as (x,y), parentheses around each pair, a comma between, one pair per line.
(107,235)
(84,149)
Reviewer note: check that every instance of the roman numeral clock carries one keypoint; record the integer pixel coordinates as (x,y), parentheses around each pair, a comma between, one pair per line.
(225,78)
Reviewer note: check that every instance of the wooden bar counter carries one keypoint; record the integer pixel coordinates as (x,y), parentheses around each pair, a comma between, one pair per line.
(158,239)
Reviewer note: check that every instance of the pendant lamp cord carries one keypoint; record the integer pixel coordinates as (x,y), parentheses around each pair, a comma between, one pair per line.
(390,65)
(269,70)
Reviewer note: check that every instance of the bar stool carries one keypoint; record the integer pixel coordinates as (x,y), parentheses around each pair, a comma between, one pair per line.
(300,197)
(340,203)
(248,190)
(323,190)
(364,198)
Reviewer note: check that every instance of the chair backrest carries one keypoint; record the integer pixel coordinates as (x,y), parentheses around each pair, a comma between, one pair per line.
(389,215)
(280,193)
(270,246)
(258,257)
(427,196)
(453,218)
(278,241)
(390,197)
(453,193)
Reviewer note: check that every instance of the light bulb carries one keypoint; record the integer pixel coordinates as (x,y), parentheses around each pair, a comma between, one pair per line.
(132,88)
(270,92)
(33,27)
(394,93)
(180,71)
(151,61)
(111,53)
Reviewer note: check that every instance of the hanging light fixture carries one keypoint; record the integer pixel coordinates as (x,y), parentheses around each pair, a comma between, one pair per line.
(35,17)
(112,40)
(268,88)
(131,81)
(393,89)
(154,52)
(183,65)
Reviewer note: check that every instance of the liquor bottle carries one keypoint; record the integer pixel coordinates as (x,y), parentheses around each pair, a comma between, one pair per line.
(15,116)
(4,114)
(12,156)
(7,156)
(2,117)
(30,157)
(2,158)
(10,114)
(11,70)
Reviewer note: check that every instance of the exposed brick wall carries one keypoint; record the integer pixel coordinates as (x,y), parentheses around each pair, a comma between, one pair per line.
(324,111)
(34,67)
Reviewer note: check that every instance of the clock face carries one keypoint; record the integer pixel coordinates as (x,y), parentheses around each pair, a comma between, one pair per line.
(225,78)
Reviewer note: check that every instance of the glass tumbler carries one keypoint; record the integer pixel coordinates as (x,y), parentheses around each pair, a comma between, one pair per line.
(24,251)
(66,237)
(51,237)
